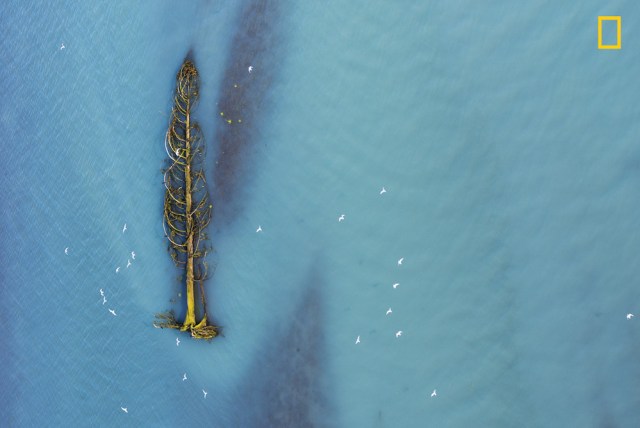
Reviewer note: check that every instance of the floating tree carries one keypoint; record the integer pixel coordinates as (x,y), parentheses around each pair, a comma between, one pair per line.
(187,211)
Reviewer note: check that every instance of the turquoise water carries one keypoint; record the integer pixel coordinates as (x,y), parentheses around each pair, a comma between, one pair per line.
(508,146)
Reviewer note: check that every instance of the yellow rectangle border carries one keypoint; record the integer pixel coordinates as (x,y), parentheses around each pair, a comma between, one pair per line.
(618,20)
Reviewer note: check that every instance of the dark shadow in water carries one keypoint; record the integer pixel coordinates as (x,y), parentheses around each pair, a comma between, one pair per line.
(242,101)
(286,387)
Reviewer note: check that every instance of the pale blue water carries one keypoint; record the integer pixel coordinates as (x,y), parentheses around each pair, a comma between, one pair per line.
(508,146)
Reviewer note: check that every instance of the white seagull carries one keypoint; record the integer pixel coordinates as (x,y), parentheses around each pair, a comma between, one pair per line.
(124,228)
(177,342)
(396,285)
(128,262)
(389,311)
(383,191)
(250,68)
(66,251)
(400,261)
(341,217)
(133,255)
(629,316)
(118,269)
(62,46)
(104,300)
(102,292)
(399,333)
(205,393)
(357,340)
(124,409)
(259,229)
(184,377)
(113,312)
(434,393)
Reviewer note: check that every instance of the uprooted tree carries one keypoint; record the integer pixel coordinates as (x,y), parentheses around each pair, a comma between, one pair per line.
(187,211)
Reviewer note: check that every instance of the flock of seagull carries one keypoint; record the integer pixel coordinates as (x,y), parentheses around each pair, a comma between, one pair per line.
(133,257)
(395,285)
(133,253)
(341,218)
(67,251)
(398,334)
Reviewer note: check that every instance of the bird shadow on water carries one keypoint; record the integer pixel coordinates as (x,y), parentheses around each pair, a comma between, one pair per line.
(287,383)
(242,105)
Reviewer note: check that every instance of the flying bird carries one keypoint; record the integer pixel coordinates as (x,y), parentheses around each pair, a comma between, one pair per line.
(118,269)
(399,333)
(104,300)
(205,393)
(357,340)
(629,316)
(434,393)
(124,409)
(113,312)
(184,377)
(400,261)
(341,217)
(102,292)
(250,68)
(124,228)
(177,342)
(259,229)
(389,311)
(383,191)
(128,263)
(133,255)
(396,285)
(66,251)
(62,46)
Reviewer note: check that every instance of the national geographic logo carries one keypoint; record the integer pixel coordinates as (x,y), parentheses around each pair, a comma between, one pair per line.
(618,21)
